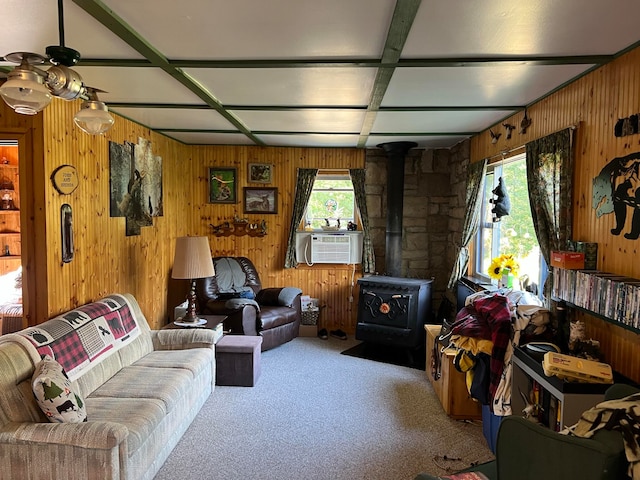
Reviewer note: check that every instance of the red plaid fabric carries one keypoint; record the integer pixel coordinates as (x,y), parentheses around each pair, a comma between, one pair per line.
(488,318)
(87,334)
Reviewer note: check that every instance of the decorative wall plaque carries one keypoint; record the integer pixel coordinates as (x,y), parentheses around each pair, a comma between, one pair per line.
(65,179)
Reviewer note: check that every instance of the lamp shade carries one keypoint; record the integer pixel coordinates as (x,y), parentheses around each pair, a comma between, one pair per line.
(93,117)
(25,92)
(192,258)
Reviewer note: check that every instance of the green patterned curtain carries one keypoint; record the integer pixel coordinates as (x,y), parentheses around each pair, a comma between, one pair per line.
(549,175)
(368,257)
(304,186)
(475,179)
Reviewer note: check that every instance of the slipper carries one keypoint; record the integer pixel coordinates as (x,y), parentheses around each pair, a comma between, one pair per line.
(323,334)
(338,334)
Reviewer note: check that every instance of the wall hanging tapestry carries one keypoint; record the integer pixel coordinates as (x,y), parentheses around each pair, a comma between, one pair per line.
(135,184)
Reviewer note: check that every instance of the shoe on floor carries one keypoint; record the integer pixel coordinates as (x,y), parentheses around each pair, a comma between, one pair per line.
(338,334)
(323,334)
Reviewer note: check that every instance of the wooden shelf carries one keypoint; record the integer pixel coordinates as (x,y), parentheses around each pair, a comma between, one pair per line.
(10,257)
(572,398)
(558,297)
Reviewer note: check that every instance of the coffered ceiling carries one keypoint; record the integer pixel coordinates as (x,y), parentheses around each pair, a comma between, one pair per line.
(339,73)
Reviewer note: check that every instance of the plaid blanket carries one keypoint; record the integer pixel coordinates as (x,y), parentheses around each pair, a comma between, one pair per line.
(80,338)
(488,318)
(621,415)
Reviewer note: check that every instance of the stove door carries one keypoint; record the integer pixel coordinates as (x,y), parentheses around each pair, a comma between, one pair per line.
(385,308)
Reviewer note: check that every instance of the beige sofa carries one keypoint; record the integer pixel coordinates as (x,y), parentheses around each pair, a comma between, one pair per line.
(141,391)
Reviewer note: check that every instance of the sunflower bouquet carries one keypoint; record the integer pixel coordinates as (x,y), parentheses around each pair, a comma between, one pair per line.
(503,265)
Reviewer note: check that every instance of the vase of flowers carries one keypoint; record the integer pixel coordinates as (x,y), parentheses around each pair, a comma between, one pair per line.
(504,269)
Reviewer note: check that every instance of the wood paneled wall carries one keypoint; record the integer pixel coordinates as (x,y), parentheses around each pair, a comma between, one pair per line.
(107,261)
(593,104)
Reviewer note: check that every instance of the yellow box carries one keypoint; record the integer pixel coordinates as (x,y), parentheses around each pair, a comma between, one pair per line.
(577,369)
(568,260)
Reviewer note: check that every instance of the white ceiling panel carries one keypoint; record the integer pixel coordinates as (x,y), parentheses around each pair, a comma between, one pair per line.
(476,86)
(541,27)
(318,121)
(422,141)
(181,118)
(324,73)
(123,84)
(288,86)
(346,141)
(32,25)
(443,122)
(249,29)
(201,138)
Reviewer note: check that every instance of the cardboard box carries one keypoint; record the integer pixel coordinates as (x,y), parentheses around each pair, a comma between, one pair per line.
(568,260)
(308,330)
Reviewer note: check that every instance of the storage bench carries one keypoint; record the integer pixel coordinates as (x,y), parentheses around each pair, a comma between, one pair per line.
(238,360)
(451,387)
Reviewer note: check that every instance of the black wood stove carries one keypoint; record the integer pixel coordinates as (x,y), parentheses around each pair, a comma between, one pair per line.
(393,311)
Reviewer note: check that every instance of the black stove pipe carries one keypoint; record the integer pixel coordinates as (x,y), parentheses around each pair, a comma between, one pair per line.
(396,153)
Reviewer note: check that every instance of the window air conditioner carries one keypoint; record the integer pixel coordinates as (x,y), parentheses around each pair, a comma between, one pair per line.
(331,248)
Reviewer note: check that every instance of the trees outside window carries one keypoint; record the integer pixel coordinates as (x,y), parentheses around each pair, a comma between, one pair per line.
(332,200)
(514,234)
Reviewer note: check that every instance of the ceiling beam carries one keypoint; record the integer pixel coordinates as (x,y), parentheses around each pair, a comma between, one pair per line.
(120,28)
(303,108)
(530,60)
(403,17)
(290,132)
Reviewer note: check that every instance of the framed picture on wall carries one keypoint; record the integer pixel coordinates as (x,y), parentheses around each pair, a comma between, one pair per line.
(260,173)
(260,200)
(222,185)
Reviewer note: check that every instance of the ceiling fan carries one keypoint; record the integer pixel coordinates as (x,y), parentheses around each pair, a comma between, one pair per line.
(29,89)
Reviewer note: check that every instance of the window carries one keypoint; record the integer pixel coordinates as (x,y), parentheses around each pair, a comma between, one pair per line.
(331,200)
(513,234)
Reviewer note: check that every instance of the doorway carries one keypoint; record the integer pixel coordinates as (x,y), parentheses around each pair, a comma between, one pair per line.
(11,305)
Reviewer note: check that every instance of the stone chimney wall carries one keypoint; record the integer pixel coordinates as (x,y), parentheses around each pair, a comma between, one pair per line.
(434,209)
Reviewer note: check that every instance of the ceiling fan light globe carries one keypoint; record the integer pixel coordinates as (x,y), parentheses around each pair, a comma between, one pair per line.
(93,118)
(25,92)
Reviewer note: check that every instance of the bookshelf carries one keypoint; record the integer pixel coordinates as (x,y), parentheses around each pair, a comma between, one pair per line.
(10,237)
(608,296)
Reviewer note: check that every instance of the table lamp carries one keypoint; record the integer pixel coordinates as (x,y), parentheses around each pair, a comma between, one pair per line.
(192,261)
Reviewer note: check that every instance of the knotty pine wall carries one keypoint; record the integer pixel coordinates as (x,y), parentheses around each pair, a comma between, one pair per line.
(593,103)
(107,261)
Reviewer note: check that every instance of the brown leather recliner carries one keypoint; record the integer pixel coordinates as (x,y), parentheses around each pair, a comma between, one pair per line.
(235,291)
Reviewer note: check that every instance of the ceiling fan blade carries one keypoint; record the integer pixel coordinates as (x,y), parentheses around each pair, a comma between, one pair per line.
(31,58)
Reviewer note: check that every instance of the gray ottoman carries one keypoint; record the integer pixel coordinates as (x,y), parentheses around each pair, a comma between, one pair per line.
(238,360)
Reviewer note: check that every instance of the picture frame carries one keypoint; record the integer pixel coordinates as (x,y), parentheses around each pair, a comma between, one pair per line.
(222,185)
(260,200)
(259,173)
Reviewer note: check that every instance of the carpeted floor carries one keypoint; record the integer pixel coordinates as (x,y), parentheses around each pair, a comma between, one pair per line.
(318,415)
(387,354)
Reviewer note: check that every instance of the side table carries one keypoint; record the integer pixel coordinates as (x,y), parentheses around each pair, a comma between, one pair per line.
(213,322)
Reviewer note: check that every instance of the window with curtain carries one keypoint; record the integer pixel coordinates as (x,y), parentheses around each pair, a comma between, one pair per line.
(513,234)
(324,197)
(332,201)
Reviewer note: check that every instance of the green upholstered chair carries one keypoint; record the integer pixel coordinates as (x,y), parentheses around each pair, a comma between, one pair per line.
(528,451)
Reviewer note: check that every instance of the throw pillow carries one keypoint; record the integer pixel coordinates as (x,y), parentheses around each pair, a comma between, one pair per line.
(52,390)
